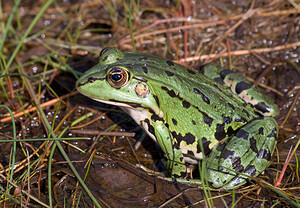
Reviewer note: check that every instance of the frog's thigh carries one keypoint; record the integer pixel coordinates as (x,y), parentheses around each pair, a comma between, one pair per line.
(243,88)
(175,164)
(248,152)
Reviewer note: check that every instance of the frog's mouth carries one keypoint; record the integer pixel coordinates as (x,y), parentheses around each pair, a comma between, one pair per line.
(119,103)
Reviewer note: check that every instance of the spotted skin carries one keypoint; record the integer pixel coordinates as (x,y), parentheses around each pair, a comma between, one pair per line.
(244,89)
(186,112)
(230,158)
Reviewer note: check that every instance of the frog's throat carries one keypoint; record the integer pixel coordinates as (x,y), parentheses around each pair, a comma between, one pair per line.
(139,115)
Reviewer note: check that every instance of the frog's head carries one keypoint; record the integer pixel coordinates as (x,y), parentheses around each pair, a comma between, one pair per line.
(112,81)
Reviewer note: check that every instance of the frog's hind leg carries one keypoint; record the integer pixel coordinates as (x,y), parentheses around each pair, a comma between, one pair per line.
(247,153)
(247,91)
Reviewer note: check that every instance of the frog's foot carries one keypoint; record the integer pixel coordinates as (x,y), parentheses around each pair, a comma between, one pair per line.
(247,153)
(162,175)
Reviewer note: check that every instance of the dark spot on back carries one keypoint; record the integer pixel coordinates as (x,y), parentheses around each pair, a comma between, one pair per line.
(142,58)
(207,119)
(174,121)
(225,72)
(170,92)
(227,119)
(217,87)
(220,132)
(204,98)
(241,120)
(191,71)
(169,73)
(186,104)
(219,80)
(273,133)
(229,131)
(231,106)
(261,131)
(145,69)
(246,112)
(194,122)
(241,86)
(170,63)
(242,134)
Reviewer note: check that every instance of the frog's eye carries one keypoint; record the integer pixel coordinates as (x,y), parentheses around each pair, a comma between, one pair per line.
(117,77)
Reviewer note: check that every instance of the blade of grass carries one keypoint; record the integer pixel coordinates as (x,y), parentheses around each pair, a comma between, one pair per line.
(130,26)
(288,162)
(24,192)
(34,21)
(203,177)
(8,24)
(58,144)
(291,201)
(14,140)
(44,139)
(17,74)
(49,174)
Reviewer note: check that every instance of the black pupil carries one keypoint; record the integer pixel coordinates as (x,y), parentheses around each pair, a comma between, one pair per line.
(116,77)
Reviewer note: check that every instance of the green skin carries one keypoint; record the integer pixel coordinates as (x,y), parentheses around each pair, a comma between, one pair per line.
(190,115)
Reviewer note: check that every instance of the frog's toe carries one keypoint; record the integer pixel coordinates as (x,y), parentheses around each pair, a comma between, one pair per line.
(247,153)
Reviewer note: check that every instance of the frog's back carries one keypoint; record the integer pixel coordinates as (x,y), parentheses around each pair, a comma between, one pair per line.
(194,107)
(184,86)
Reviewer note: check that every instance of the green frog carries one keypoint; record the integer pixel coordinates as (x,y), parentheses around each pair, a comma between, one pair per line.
(218,115)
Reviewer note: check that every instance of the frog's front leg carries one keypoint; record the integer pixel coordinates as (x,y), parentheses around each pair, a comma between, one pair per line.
(174,159)
(247,153)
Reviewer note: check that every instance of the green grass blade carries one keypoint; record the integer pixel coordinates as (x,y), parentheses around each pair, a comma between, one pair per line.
(34,21)
(130,25)
(8,24)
